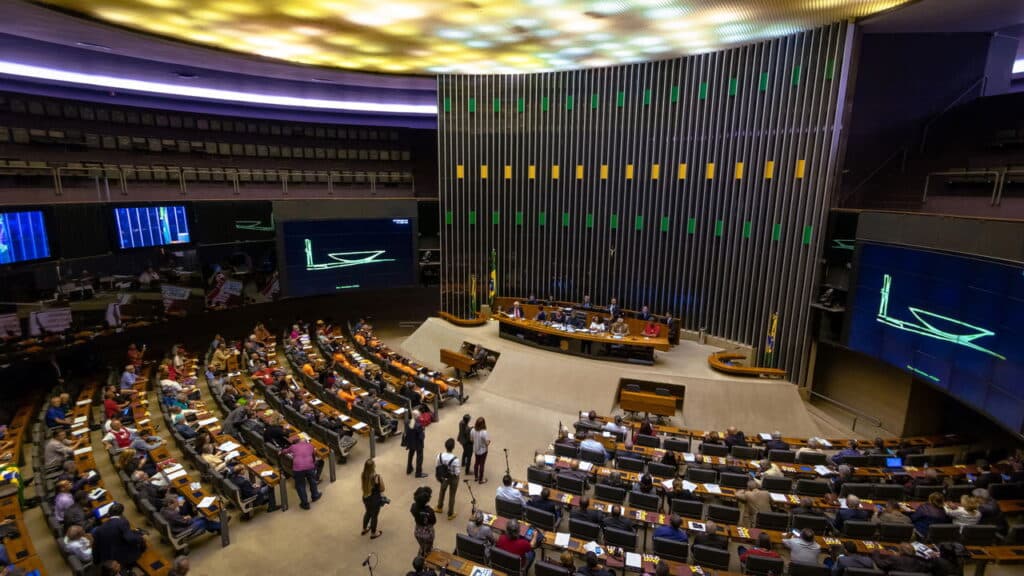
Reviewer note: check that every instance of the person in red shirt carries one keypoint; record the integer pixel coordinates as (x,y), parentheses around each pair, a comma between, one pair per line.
(763,549)
(652,330)
(513,543)
(111,409)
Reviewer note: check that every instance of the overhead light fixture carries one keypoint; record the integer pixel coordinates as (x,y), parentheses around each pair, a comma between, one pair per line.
(112,82)
(94,46)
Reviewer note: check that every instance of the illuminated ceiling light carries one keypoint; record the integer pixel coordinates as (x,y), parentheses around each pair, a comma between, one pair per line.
(1018,66)
(115,83)
(162,3)
(546,33)
(723,16)
(646,41)
(479,44)
(608,7)
(664,13)
(577,51)
(453,34)
(116,16)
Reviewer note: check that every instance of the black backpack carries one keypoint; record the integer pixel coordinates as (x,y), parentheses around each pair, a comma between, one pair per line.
(443,471)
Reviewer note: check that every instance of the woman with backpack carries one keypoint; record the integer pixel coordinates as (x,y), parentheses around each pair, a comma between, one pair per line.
(373,498)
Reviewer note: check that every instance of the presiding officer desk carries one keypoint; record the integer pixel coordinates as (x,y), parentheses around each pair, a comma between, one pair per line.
(634,348)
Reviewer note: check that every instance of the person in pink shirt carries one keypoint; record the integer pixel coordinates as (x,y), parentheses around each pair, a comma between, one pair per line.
(304,470)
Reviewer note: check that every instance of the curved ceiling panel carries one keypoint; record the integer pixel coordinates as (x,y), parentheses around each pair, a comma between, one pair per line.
(470,36)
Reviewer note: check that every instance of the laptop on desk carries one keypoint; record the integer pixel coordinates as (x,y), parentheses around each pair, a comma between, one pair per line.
(894,464)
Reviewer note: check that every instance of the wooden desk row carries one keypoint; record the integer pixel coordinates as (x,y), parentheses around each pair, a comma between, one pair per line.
(354,362)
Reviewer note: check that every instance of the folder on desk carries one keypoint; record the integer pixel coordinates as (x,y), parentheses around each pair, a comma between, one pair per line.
(359,426)
(713,488)
(80,419)
(399,411)
(231,456)
(585,466)
(316,402)
(227,446)
(206,502)
(207,421)
(668,483)
(85,450)
(561,539)
(633,560)
(687,485)
(689,457)
(533,489)
(175,475)
(778,497)
(822,470)
(697,526)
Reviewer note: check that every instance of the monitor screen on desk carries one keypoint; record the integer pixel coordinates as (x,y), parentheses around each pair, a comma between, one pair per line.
(894,462)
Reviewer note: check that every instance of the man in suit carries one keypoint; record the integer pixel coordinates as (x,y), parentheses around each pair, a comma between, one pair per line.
(776,443)
(671,531)
(853,511)
(711,537)
(183,523)
(584,513)
(147,490)
(517,310)
(850,558)
(543,502)
(613,308)
(618,521)
(586,304)
(754,501)
(115,540)
(246,489)
(645,313)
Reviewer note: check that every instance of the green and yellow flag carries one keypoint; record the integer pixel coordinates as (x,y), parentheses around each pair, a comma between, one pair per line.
(769,343)
(473,304)
(492,281)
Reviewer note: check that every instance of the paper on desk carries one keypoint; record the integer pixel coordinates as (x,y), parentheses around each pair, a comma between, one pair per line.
(689,457)
(207,421)
(549,459)
(668,483)
(480,571)
(585,466)
(359,426)
(633,560)
(231,456)
(697,526)
(713,488)
(85,450)
(570,436)
(765,436)
(822,470)
(80,419)
(176,475)
(606,434)
(267,473)
(143,422)
(227,446)
(777,497)
(316,402)
(206,502)
(842,503)
(172,469)
(561,539)
(399,411)
(83,402)
(687,485)
(533,489)
(591,547)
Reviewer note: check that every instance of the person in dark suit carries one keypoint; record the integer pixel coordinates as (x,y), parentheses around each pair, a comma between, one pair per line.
(585,513)
(115,540)
(853,511)
(541,315)
(775,443)
(183,523)
(531,299)
(586,304)
(543,502)
(613,308)
(618,521)
(645,313)
(711,537)
(414,439)
(246,489)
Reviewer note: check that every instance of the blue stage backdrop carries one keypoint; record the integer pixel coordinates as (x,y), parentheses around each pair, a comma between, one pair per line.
(141,226)
(23,237)
(952,321)
(327,256)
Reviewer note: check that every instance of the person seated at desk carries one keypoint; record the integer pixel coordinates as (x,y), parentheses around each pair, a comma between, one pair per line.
(616,426)
(853,511)
(585,513)
(673,530)
(591,422)
(276,434)
(803,549)
(531,299)
(711,537)
(247,489)
(966,514)
(516,311)
(906,561)
(763,549)
(614,479)
(645,485)
(589,444)
(371,404)
(613,308)
(543,502)
(753,501)
(149,489)
(213,459)
(114,409)
(890,514)
(775,443)
(261,333)
(558,317)
(420,568)
(597,324)
(121,437)
(850,450)
(476,528)
(593,567)
(734,437)
(679,491)
(182,524)
(508,492)
(877,448)
(618,521)
(850,558)
(79,480)
(812,447)
(58,450)
(652,330)
(179,420)
(645,314)
(620,328)
(219,360)
(147,278)
(512,542)
(77,543)
(586,304)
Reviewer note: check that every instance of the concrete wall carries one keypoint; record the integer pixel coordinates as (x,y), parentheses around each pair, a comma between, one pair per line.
(868,385)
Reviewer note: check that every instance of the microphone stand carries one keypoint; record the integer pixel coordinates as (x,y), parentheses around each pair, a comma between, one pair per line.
(508,469)
(472,497)
(369,565)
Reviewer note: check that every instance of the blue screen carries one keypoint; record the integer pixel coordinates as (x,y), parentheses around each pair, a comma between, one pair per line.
(328,256)
(23,237)
(142,226)
(952,321)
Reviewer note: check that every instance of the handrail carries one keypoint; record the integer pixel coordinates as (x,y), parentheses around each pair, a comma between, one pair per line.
(983,80)
(874,172)
(856,413)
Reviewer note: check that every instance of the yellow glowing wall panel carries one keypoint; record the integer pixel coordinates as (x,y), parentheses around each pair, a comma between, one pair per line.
(655,171)
(769,169)
(460,171)
(508,172)
(801,168)
(531,172)
(739,170)
(483,171)
(579,171)
(709,171)
(554,172)
(604,171)
(682,171)
(629,171)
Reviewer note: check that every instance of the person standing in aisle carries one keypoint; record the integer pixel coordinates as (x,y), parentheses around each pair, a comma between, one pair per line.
(466,440)
(415,436)
(373,499)
(448,474)
(303,469)
(481,443)
(425,519)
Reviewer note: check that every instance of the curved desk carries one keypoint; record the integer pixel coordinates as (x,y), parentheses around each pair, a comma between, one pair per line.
(721,361)
(480,319)
(602,346)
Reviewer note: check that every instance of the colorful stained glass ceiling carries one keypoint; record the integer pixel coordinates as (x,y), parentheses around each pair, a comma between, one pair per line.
(470,36)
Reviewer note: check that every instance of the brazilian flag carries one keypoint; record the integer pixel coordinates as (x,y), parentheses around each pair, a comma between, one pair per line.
(492,279)
(769,343)
(473,307)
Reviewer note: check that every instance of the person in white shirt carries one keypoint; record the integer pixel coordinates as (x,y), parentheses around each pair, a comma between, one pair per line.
(589,444)
(967,513)
(597,324)
(617,426)
(452,463)
(78,544)
(509,492)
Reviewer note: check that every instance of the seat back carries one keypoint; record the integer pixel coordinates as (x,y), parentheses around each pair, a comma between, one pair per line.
(817,523)
(609,493)
(723,514)
(540,518)
(943,533)
(676,444)
(812,487)
(772,521)
(860,529)
(584,530)
(782,456)
(889,492)
(943,459)
(566,450)
(631,464)
(762,565)
(857,460)
(647,440)
(797,569)
(746,452)
(812,458)
(626,539)
(660,470)
(1008,491)
(592,457)
(508,509)
(701,475)
(863,572)
(542,568)
(917,460)
(861,490)
(979,535)
(540,476)
(777,484)
(714,449)
(471,548)
(671,549)
(688,508)
(709,557)
(649,502)
(894,532)
(570,484)
(956,491)
(733,480)
(506,562)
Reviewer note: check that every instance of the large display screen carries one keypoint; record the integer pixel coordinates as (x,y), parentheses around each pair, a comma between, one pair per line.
(141,226)
(223,222)
(328,256)
(23,237)
(952,321)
